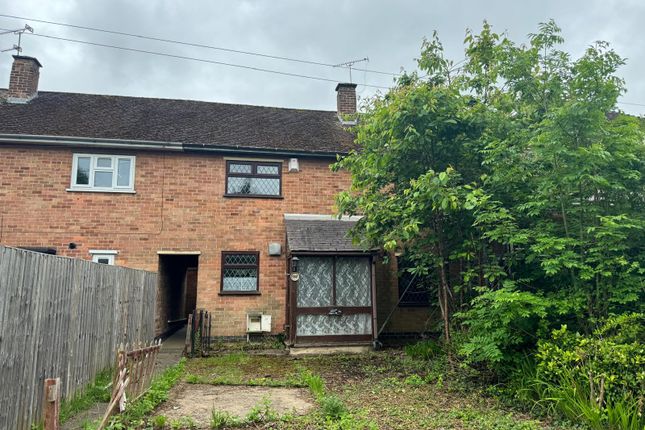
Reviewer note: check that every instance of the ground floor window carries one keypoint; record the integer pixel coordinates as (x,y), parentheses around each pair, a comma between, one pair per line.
(103,256)
(240,272)
(414,290)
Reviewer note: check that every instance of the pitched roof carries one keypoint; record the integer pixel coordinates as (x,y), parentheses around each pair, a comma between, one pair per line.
(182,121)
(318,235)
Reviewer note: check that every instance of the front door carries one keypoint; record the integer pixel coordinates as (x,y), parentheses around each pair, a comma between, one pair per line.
(333,299)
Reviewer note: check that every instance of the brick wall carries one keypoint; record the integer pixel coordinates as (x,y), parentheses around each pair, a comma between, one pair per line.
(178,206)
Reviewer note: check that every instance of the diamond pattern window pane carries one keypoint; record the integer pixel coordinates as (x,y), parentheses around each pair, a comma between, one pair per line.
(239,168)
(240,280)
(353,281)
(267,170)
(257,186)
(325,325)
(240,259)
(315,284)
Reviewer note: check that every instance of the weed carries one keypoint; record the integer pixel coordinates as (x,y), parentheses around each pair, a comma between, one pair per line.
(183,423)
(221,419)
(96,392)
(262,412)
(315,383)
(135,414)
(424,350)
(332,407)
(159,422)
(193,379)
(414,380)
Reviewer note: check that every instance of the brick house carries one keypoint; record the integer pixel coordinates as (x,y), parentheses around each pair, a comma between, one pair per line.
(231,204)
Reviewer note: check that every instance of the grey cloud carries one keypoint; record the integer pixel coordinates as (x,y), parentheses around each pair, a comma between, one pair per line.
(389,33)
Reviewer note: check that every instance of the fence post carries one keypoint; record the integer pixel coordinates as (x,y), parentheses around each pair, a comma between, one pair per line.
(51,410)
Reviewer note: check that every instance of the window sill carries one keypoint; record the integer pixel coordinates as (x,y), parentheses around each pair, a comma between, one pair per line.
(239,293)
(252,196)
(96,190)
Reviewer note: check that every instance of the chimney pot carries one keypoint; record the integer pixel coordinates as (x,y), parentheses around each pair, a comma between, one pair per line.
(23,81)
(346,102)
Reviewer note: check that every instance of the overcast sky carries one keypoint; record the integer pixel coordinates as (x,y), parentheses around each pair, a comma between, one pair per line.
(328,31)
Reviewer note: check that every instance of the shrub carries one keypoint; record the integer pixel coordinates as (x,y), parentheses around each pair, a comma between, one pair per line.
(597,379)
(501,323)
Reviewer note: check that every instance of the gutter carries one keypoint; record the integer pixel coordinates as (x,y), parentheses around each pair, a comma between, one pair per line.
(153,145)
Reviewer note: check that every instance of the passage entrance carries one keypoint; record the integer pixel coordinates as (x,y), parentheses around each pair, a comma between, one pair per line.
(333,299)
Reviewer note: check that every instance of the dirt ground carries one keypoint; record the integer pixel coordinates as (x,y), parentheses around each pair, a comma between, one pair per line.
(198,401)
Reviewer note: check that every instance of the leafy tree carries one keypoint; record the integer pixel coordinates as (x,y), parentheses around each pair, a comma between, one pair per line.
(511,182)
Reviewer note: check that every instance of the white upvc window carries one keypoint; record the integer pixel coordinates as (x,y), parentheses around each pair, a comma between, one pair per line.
(103,172)
(104,256)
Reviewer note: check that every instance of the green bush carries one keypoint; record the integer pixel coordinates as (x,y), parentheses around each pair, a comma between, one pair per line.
(611,361)
(501,323)
(597,379)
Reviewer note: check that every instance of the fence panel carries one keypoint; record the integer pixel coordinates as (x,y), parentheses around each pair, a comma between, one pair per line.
(63,317)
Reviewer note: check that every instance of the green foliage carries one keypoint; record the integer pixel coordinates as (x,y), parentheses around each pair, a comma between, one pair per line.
(315,383)
(159,422)
(424,350)
(96,392)
(220,419)
(610,362)
(136,413)
(414,380)
(332,407)
(262,412)
(502,323)
(509,183)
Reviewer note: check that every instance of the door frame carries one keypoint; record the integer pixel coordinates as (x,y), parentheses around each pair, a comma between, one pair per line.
(293,311)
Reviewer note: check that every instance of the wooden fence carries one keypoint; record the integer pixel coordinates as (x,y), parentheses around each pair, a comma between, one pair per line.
(63,318)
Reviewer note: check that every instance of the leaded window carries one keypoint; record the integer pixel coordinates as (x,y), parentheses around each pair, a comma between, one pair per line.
(240,272)
(253,178)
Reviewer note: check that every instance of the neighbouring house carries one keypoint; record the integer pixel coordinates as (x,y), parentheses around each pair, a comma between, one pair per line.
(231,204)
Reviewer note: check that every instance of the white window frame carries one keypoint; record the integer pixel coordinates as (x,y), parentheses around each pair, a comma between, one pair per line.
(108,254)
(93,168)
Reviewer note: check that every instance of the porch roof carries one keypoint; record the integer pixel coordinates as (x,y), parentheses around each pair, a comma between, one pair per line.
(320,234)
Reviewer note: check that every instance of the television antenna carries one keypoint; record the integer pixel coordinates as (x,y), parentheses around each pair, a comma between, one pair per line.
(349,64)
(19,32)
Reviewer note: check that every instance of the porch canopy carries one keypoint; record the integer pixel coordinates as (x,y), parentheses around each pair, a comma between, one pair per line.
(331,300)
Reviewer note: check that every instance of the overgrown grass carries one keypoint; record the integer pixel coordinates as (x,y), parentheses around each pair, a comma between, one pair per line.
(136,413)
(97,392)
(571,398)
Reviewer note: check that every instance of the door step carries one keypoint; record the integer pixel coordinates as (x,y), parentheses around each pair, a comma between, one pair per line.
(330,349)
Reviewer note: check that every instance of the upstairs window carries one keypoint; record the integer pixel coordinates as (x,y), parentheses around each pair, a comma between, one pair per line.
(253,179)
(100,172)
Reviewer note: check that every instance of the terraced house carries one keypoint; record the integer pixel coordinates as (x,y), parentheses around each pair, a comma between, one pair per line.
(232,204)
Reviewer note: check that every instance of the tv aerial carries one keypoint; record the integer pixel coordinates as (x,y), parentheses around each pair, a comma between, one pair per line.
(349,64)
(19,32)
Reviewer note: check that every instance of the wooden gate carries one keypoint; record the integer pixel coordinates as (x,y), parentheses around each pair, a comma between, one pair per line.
(198,334)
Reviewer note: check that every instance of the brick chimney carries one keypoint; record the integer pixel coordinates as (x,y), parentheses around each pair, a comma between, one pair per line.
(23,81)
(346,100)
